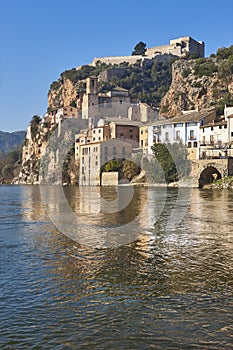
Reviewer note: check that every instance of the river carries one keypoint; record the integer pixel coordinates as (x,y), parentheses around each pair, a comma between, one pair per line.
(168,287)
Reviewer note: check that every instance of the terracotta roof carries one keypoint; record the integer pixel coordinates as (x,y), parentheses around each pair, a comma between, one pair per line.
(185,117)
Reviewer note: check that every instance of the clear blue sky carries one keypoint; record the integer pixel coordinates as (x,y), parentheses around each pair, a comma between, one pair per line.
(41,39)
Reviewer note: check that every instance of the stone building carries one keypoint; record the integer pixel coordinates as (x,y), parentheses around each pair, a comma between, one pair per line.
(179,47)
(94,155)
(176,47)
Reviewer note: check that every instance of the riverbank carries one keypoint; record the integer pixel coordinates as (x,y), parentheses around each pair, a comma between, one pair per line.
(224,183)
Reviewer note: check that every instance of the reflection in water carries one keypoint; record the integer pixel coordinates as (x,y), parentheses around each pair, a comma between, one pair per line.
(169,288)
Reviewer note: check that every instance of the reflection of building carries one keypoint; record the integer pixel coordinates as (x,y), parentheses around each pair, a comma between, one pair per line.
(93,155)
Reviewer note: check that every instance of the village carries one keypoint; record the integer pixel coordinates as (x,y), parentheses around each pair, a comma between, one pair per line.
(116,126)
(119,128)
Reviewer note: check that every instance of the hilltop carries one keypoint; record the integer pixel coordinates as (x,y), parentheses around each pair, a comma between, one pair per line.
(171,82)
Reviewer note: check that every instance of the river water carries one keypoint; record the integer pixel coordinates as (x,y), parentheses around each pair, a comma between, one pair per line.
(170,288)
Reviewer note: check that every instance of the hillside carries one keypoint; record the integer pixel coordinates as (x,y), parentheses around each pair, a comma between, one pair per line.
(172,83)
(200,83)
(11,140)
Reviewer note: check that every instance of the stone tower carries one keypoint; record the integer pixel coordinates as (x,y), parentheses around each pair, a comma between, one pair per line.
(90,98)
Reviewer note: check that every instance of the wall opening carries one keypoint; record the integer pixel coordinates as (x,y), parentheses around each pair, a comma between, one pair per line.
(208,175)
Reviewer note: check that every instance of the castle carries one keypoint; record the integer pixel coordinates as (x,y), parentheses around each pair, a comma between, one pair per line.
(176,47)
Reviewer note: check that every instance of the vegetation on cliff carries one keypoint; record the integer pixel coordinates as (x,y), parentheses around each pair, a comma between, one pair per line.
(174,84)
(201,83)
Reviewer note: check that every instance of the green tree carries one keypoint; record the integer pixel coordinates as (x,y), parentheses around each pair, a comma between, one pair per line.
(139,49)
(129,170)
(172,159)
(112,165)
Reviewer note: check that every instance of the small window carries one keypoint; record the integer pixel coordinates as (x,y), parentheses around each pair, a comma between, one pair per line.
(191,135)
(123,150)
(220,126)
(178,135)
(212,128)
(114,150)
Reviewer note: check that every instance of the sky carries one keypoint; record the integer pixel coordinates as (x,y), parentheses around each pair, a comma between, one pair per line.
(41,39)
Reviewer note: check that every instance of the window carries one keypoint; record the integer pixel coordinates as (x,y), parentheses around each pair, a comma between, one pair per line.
(123,150)
(178,135)
(225,126)
(120,102)
(106,150)
(121,135)
(130,136)
(212,128)
(114,150)
(141,143)
(211,139)
(189,144)
(220,126)
(203,140)
(191,135)
(99,131)
(166,136)
(232,134)
(195,144)
(93,131)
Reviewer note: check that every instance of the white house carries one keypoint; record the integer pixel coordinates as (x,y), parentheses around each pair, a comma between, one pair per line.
(184,128)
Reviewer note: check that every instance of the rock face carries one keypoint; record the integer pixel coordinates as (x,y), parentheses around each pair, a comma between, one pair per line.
(44,153)
(62,93)
(190,91)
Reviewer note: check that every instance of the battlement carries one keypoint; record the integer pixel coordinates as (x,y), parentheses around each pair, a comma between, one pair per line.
(176,47)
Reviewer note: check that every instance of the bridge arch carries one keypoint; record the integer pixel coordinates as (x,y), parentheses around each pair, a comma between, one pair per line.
(208,175)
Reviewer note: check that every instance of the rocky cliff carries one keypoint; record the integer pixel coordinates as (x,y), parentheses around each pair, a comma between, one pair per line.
(198,84)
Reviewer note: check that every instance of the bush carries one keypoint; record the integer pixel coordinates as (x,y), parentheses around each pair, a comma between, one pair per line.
(204,67)
(186,72)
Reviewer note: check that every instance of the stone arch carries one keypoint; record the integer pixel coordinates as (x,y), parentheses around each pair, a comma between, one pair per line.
(208,175)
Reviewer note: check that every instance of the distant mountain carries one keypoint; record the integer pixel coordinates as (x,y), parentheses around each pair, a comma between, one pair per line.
(10,140)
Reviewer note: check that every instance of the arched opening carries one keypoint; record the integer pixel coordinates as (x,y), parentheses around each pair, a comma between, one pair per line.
(208,175)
